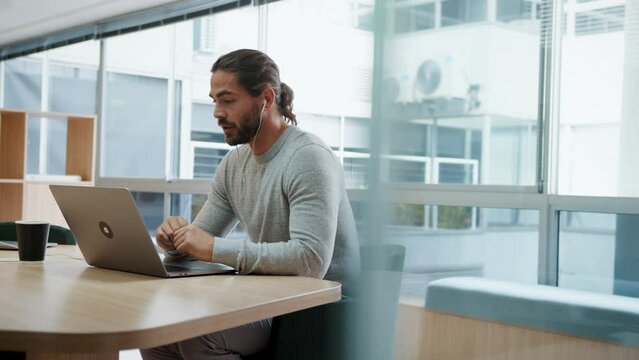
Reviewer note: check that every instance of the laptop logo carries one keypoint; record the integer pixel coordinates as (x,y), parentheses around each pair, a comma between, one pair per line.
(106,230)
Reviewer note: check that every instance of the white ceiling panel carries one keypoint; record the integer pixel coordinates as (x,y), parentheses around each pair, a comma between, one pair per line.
(26,19)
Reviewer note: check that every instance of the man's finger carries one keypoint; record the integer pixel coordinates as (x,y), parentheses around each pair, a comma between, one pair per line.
(180,231)
(162,239)
(179,239)
(167,230)
(165,244)
(174,223)
(182,221)
(160,236)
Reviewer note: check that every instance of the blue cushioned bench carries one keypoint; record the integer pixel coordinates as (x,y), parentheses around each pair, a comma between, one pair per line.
(603,317)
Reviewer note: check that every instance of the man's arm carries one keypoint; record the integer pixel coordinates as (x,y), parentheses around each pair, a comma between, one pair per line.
(216,218)
(313,183)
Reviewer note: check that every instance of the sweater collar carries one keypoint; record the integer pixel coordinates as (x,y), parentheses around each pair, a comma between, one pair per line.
(275,148)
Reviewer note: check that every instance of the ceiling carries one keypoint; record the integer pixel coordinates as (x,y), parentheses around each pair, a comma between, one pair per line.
(26,19)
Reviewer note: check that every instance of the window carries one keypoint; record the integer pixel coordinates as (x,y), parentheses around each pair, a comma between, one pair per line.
(600,20)
(34,143)
(363,15)
(72,89)
(134,131)
(355,172)
(207,142)
(511,10)
(455,12)
(174,135)
(151,206)
(357,135)
(204,122)
(199,141)
(187,205)
(414,18)
(203,34)
(23,84)
(462,155)
(597,252)
(46,146)
(444,241)
(134,128)
(355,152)
(340,114)
(206,161)
(327,128)
(458,113)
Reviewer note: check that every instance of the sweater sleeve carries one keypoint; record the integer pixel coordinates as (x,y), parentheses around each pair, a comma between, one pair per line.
(312,182)
(217,216)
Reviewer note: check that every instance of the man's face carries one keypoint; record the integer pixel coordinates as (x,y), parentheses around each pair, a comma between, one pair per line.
(236,111)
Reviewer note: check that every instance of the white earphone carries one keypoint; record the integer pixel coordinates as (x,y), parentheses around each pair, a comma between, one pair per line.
(260,125)
(261,116)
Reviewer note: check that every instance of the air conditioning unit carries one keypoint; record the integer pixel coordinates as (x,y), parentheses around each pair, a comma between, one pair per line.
(437,77)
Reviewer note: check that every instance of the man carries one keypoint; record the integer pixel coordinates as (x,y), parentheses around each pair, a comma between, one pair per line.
(284,186)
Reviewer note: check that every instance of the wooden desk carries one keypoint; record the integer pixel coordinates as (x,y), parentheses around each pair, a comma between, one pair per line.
(63,308)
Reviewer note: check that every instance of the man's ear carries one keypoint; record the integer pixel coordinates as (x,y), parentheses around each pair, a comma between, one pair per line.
(269,98)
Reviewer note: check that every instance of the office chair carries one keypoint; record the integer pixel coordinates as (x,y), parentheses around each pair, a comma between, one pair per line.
(57,234)
(361,326)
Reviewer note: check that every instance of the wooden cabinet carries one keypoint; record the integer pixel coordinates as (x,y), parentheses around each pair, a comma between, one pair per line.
(27,196)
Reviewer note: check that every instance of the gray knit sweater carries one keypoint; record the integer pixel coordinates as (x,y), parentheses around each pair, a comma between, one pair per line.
(293,204)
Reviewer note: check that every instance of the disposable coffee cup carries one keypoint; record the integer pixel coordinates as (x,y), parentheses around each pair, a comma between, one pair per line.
(32,239)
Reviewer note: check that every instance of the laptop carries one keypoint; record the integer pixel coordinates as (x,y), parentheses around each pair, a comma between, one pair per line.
(111,234)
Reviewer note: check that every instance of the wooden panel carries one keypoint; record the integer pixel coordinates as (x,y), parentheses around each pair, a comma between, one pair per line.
(10,202)
(12,144)
(409,332)
(423,334)
(80,147)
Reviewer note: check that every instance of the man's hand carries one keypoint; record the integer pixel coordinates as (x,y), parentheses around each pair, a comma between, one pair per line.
(165,234)
(192,240)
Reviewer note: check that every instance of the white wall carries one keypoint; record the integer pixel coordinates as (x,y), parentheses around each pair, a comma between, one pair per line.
(591,96)
(591,79)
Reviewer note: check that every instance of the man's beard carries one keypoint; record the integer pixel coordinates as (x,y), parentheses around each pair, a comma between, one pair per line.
(246,128)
